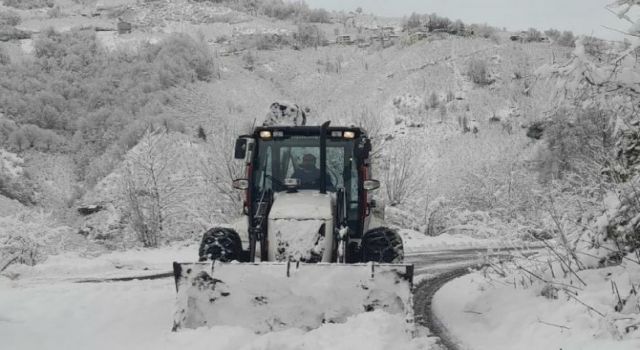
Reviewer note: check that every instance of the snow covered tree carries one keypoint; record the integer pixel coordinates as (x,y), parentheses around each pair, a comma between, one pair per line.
(552,34)
(599,148)
(4,56)
(478,71)
(400,172)
(566,39)
(413,22)
(533,35)
(456,27)
(217,168)
(201,133)
(154,189)
(433,100)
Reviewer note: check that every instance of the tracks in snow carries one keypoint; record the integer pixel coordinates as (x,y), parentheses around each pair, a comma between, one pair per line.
(423,297)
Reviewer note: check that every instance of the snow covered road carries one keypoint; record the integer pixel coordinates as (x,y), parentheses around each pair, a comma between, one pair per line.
(44,309)
(138,315)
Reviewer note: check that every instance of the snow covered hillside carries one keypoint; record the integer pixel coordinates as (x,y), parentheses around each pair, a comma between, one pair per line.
(516,154)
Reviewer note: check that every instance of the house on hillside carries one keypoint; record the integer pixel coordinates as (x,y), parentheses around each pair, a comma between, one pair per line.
(417,36)
(388,30)
(385,35)
(344,40)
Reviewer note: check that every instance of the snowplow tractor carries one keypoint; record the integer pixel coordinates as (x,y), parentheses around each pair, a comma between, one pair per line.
(309,248)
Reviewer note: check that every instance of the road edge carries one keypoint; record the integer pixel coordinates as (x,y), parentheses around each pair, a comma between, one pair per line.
(423,298)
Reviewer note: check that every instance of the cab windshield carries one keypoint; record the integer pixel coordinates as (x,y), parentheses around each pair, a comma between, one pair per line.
(283,158)
(299,157)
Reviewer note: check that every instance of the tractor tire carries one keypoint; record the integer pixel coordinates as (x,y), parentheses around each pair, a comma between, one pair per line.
(222,244)
(382,245)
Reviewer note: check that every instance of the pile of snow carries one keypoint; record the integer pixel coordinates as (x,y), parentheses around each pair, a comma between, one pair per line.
(295,222)
(74,265)
(418,242)
(516,314)
(276,296)
(297,240)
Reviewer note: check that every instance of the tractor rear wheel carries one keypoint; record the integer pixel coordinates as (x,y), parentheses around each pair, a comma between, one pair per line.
(222,244)
(382,245)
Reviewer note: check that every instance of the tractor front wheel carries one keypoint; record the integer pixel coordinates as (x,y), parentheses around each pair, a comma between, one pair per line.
(222,244)
(382,245)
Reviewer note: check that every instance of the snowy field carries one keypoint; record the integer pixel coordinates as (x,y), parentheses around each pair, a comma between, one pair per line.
(489,315)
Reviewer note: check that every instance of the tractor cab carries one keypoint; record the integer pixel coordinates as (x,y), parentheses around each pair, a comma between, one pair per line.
(307,161)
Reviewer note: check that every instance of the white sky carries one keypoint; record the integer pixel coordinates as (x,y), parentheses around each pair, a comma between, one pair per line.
(580,16)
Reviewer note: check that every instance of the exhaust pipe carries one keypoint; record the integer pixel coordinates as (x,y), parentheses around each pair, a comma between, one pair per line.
(323,157)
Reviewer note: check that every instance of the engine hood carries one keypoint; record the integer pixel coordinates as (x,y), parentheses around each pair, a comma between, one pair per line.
(302,205)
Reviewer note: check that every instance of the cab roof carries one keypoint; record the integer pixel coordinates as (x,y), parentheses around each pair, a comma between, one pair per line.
(308,130)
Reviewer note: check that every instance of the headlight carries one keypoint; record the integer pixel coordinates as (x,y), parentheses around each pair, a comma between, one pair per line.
(265,134)
(349,135)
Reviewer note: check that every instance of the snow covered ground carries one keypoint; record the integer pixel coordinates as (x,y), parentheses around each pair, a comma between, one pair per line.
(138,315)
(74,266)
(42,307)
(484,314)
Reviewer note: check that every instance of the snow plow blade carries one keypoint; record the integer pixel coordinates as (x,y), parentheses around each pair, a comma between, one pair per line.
(268,297)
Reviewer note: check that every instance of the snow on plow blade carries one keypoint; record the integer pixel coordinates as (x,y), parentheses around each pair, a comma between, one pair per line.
(266,297)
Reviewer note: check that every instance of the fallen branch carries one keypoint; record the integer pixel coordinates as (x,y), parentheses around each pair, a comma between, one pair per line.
(10,261)
(587,306)
(611,250)
(553,324)
(560,258)
(472,312)
(546,281)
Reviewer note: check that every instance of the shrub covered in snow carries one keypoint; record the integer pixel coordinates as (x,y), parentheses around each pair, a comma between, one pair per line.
(478,72)
(14,182)
(9,18)
(29,237)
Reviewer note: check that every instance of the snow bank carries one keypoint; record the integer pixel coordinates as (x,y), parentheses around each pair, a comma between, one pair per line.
(115,264)
(418,242)
(275,296)
(487,314)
